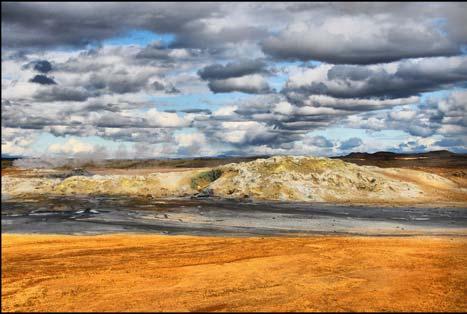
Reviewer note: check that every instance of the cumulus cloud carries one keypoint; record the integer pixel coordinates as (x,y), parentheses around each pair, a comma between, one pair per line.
(165,119)
(380,61)
(252,84)
(243,76)
(71,147)
(62,93)
(445,116)
(359,39)
(351,143)
(392,80)
(193,144)
(319,141)
(17,142)
(242,68)
(168,88)
(332,32)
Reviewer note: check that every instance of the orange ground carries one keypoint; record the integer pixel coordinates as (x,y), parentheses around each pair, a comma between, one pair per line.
(179,273)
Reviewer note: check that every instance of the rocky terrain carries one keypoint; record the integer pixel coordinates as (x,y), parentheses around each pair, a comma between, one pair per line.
(274,178)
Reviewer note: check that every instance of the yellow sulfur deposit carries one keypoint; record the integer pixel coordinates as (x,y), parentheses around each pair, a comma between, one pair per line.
(276,178)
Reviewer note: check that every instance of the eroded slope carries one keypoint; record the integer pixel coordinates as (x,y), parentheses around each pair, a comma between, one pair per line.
(275,178)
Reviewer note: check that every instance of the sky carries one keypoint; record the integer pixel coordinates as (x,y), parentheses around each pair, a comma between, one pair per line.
(165,80)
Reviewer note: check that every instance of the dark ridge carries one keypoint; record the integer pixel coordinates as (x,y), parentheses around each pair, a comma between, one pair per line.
(441,159)
(437,159)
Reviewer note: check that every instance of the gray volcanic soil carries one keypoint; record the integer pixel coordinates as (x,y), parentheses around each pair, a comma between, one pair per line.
(213,216)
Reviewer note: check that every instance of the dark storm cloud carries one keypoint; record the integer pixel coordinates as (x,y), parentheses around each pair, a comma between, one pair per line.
(43,80)
(233,69)
(78,24)
(43,66)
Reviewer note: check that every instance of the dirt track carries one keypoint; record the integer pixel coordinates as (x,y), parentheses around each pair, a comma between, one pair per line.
(179,273)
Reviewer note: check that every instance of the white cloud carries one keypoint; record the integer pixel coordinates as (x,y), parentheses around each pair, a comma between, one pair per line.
(71,147)
(165,119)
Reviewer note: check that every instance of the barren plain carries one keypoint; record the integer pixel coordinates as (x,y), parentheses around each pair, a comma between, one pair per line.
(180,273)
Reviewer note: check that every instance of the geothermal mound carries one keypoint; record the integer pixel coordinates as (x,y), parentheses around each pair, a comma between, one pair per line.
(308,179)
(275,178)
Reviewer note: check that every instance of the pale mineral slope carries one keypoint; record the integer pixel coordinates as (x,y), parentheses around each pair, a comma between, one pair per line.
(155,184)
(324,179)
(275,178)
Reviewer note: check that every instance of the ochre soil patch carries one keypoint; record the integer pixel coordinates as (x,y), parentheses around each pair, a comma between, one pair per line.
(181,273)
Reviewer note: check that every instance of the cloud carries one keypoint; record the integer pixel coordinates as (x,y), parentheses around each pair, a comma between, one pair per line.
(403,115)
(356,104)
(332,32)
(45,24)
(136,135)
(444,116)
(43,66)
(393,80)
(193,144)
(196,110)
(360,39)
(17,142)
(243,76)
(43,80)
(71,147)
(156,51)
(319,141)
(379,62)
(251,84)
(351,143)
(167,88)
(60,93)
(165,119)
(245,67)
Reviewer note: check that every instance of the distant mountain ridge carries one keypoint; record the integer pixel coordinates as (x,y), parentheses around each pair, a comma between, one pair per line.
(385,154)
(438,159)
